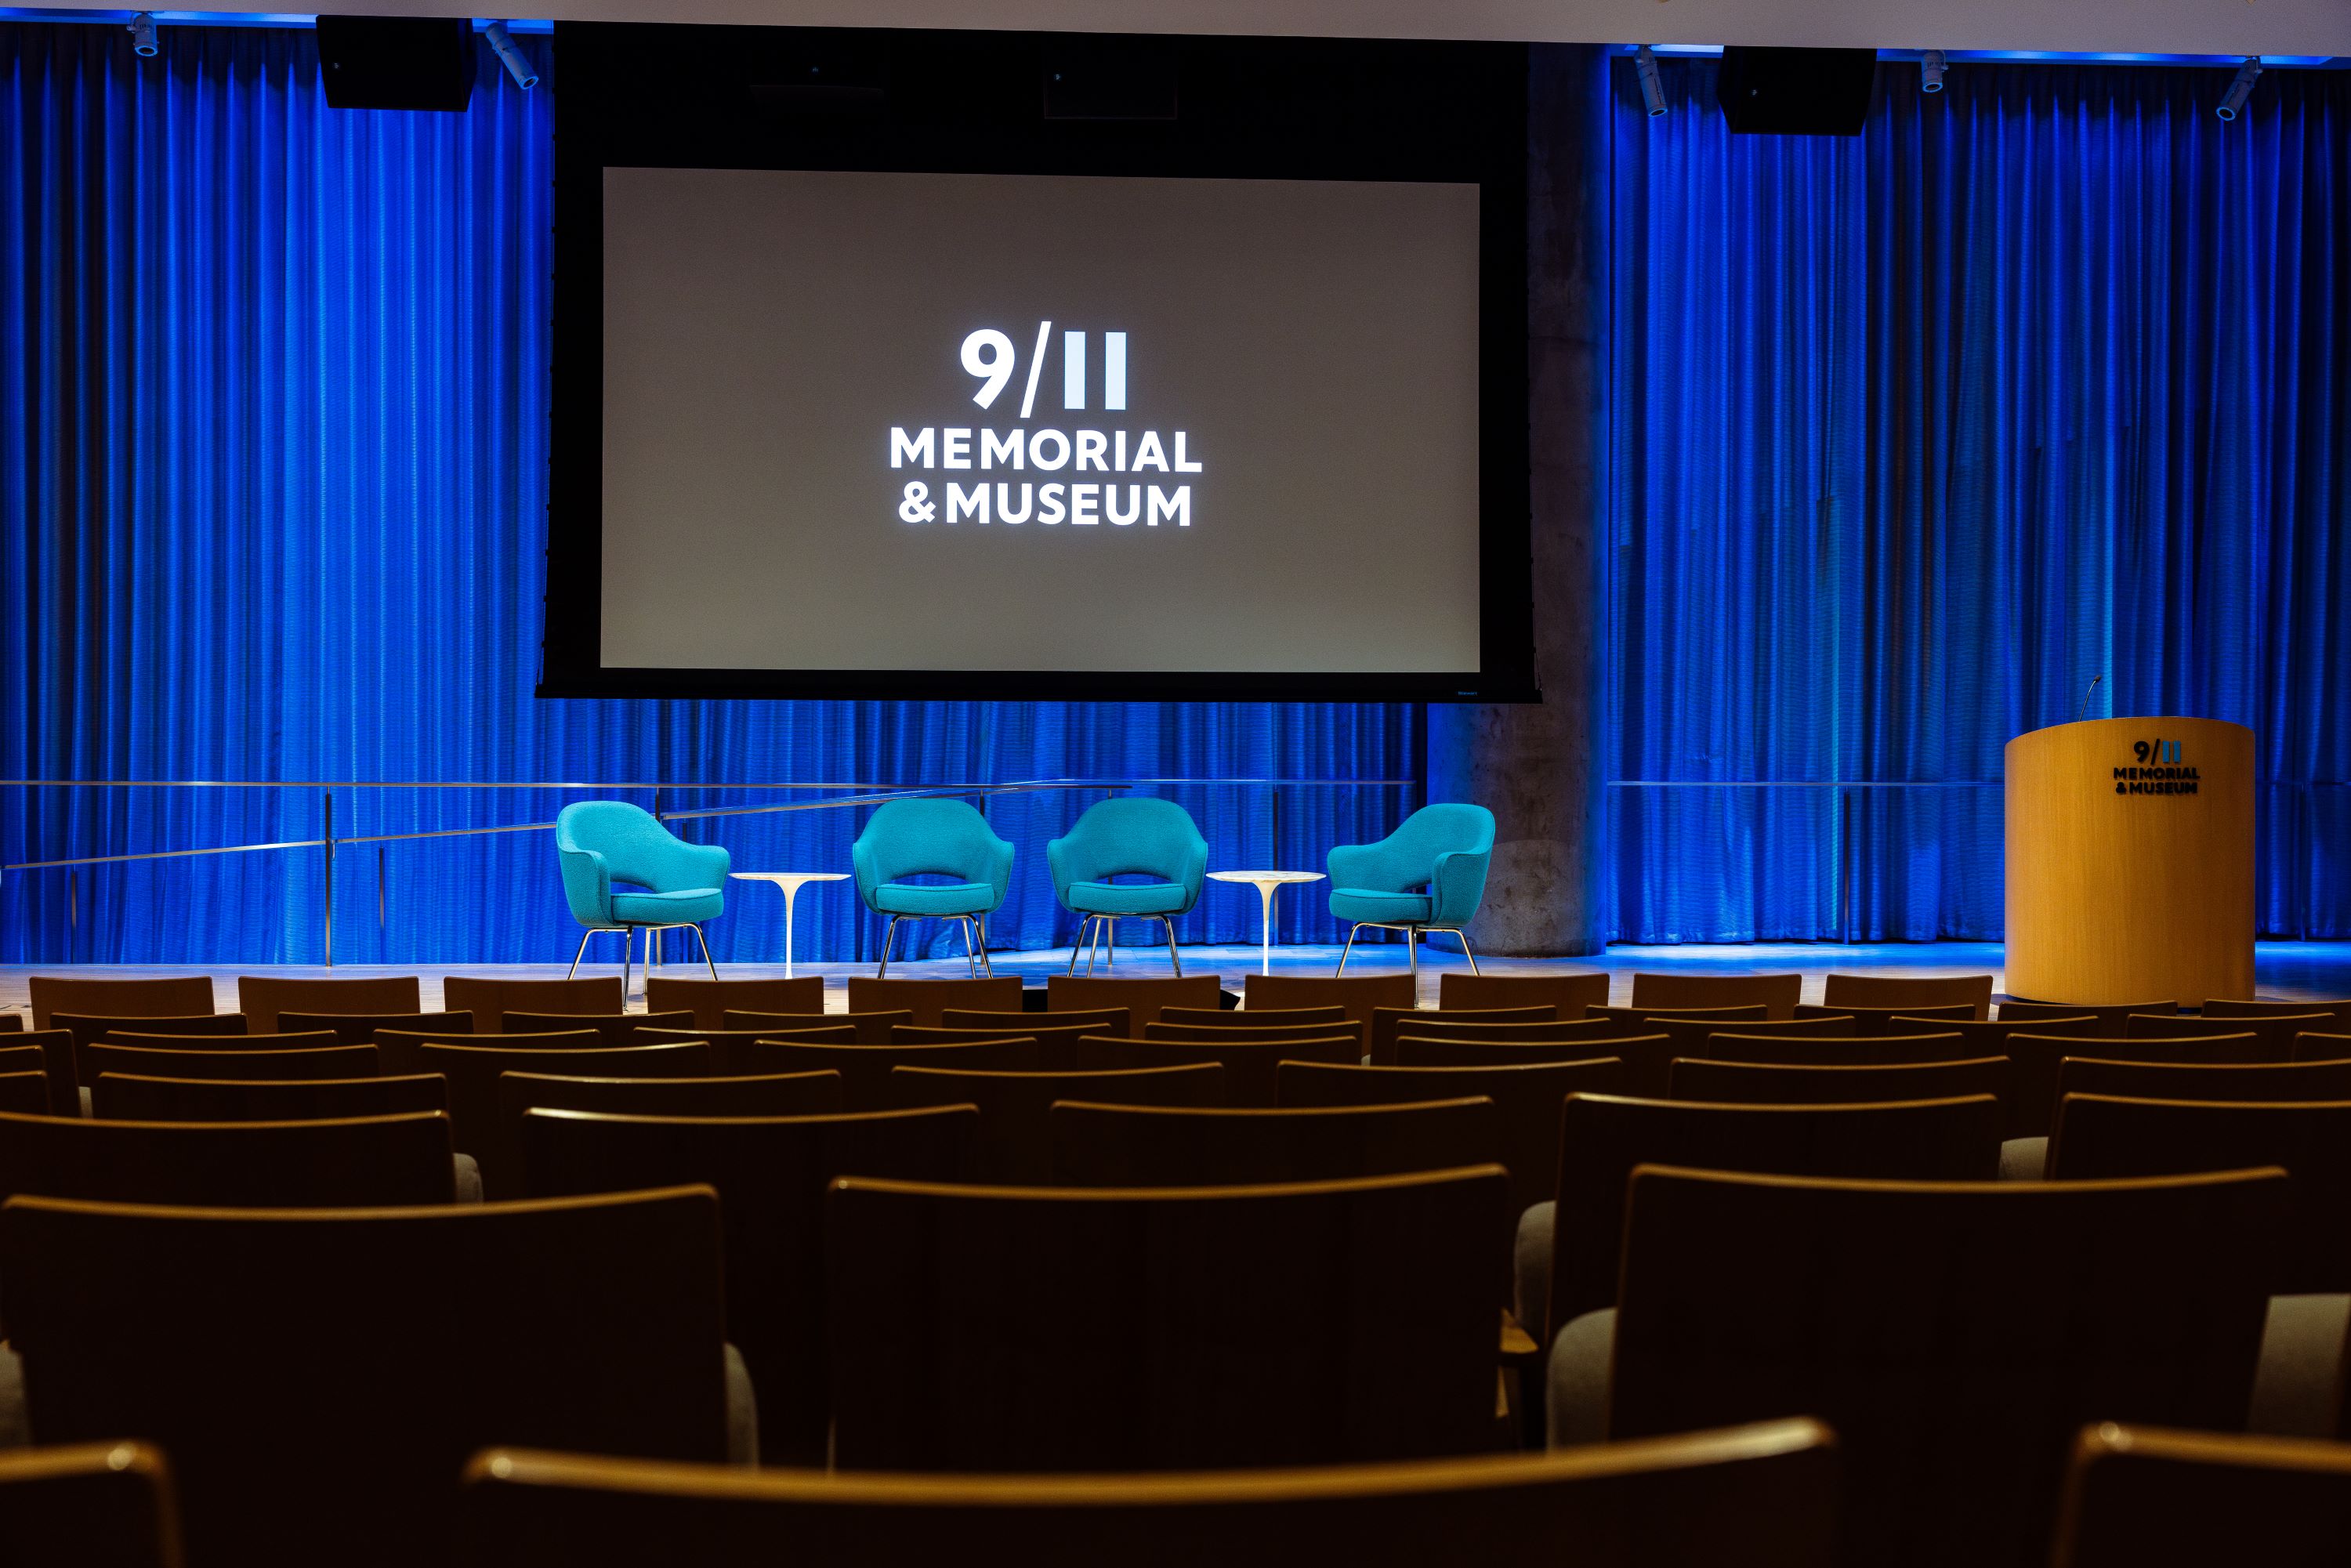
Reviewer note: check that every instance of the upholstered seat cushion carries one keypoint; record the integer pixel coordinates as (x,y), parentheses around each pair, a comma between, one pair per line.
(1391,908)
(935,898)
(1129,897)
(685,906)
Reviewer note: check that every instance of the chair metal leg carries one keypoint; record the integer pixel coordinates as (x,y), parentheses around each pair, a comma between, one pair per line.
(971,958)
(1086,923)
(1093,949)
(1463,934)
(1110,947)
(986,967)
(580,953)
(706,964)
(889,935)
(1411,959)
(627,952)
(1348,948)
(1168,921)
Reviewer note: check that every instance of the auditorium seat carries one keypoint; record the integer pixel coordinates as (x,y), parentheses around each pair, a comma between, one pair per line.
(1142,1000)
(1358,995)
(123,1097)
(354,1163)
(2205,1081)
(774,1094)
(1983,1036)
(1744,1013)
(473,1073)
(1527,1099)
(1098,1144)
(1762,1497)
(2313,1046)
(403,1049)
(1327,1029)
(320,1376)
(2220,1007)
(85,1027)
(612,1029)
(1690,1035)
(2032,1104)
(25,1090)
(1876,1020)
(1245,1017)
(488,997)
(926,999)
(1569,1247)
(12,1023)
(1643,1056)
(1763,1083)
(261,997)
(2111,1016)
(167,997)
(2151,1497)
(274,1066)
(1013,1145)
(709,1001)
(243,1044)
(1057,1043)
(1721,1044)
(1387,1022)
(732,1049)
(1249,1063)
(770,1174)
(865,1069)
(871,1027)
(2276,1031)
(1571,993)
(1900,992)
(361,1029)
(1776,994)
(1955,1336)
(93,1505)
(1179,1328)
(1100,1020)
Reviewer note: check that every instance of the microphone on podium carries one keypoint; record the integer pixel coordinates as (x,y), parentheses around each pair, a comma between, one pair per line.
(2080,712)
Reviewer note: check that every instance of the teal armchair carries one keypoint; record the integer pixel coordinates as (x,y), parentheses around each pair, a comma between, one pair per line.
(600,843)
(1131,836)
(1427,875)
(932,836)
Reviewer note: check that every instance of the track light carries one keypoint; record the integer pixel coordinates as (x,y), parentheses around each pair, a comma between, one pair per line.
(142,36)
(501,45)
(1930,70)
(1653,91)
(2240,90)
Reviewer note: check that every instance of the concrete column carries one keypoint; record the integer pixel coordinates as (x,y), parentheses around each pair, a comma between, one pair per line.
(1538,766)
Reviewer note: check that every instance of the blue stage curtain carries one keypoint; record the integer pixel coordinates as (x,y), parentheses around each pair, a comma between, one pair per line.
(1913,433)
(273,449)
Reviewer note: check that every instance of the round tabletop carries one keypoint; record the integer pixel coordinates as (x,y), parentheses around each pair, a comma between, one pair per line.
(788,878)
(1263,878)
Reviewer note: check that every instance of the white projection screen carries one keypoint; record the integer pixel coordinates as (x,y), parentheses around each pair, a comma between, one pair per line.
(870,421)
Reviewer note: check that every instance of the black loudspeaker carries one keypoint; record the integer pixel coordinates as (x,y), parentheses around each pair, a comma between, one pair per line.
(1109,78)
(397,62)
(1795,92)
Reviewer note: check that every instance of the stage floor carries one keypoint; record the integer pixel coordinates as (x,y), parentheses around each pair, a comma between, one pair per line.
(2285,969)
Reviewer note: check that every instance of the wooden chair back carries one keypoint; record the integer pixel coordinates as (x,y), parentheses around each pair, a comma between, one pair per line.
(1191,1031)
(770,1174)
(261,997)
(2150,1497)
(957,1345)
(1134,1145)
(489,998)
(2225,1008)
(1755,1084)
(366,1352)
(359,1029)
(926,999)
(241,1044)
(344,1164)
(86,1029)
(1356,995)
(1057,1043)
(2032,1105)
(2276,1031)
(611,1029)
(1757,1013)
(1643,1056)
(1688,1036)
(1541,1018)
(1101,1021)
(1527,1100)
(709,1001)
(1985,1036)
(472,1071)
(1014,1144)
(871,1028)
(56,1049)
(865,1070)
(773,1095)
(95,1505)
(1247,1018)
(1571,993)
(1903,993)
(122,1097)
(271,1066)
(1603,1137)
(2100,1137)
(1776,994)
(23,1091)
(1142,1000)
(162,997)
(1829,1051)
(1889,1020)
(1762,1496)
(732,1051)
(403,1049)
(1249,1064)
(2205,1081)
(2312,1046)
(1954,1335)
(2111,1016)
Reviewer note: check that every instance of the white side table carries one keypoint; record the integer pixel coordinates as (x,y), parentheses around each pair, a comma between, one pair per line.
(791,881)
(1265,882)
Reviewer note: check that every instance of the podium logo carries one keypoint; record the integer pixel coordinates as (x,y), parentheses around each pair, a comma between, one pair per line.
(992,358)
(2158,771)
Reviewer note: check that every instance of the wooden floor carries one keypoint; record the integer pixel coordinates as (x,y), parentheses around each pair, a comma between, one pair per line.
(2287,970)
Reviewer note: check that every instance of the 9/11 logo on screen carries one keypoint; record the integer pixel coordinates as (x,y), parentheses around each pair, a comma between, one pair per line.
(993,360)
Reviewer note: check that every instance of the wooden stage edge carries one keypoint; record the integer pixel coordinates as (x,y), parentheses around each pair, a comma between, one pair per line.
(2284,970)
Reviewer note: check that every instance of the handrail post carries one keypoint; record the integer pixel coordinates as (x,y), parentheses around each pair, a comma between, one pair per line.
(327,799)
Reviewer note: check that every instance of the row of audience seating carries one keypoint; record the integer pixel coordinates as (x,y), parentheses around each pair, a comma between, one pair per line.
(1140,1232)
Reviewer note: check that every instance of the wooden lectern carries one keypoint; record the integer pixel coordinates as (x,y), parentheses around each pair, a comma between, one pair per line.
(2130,861)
